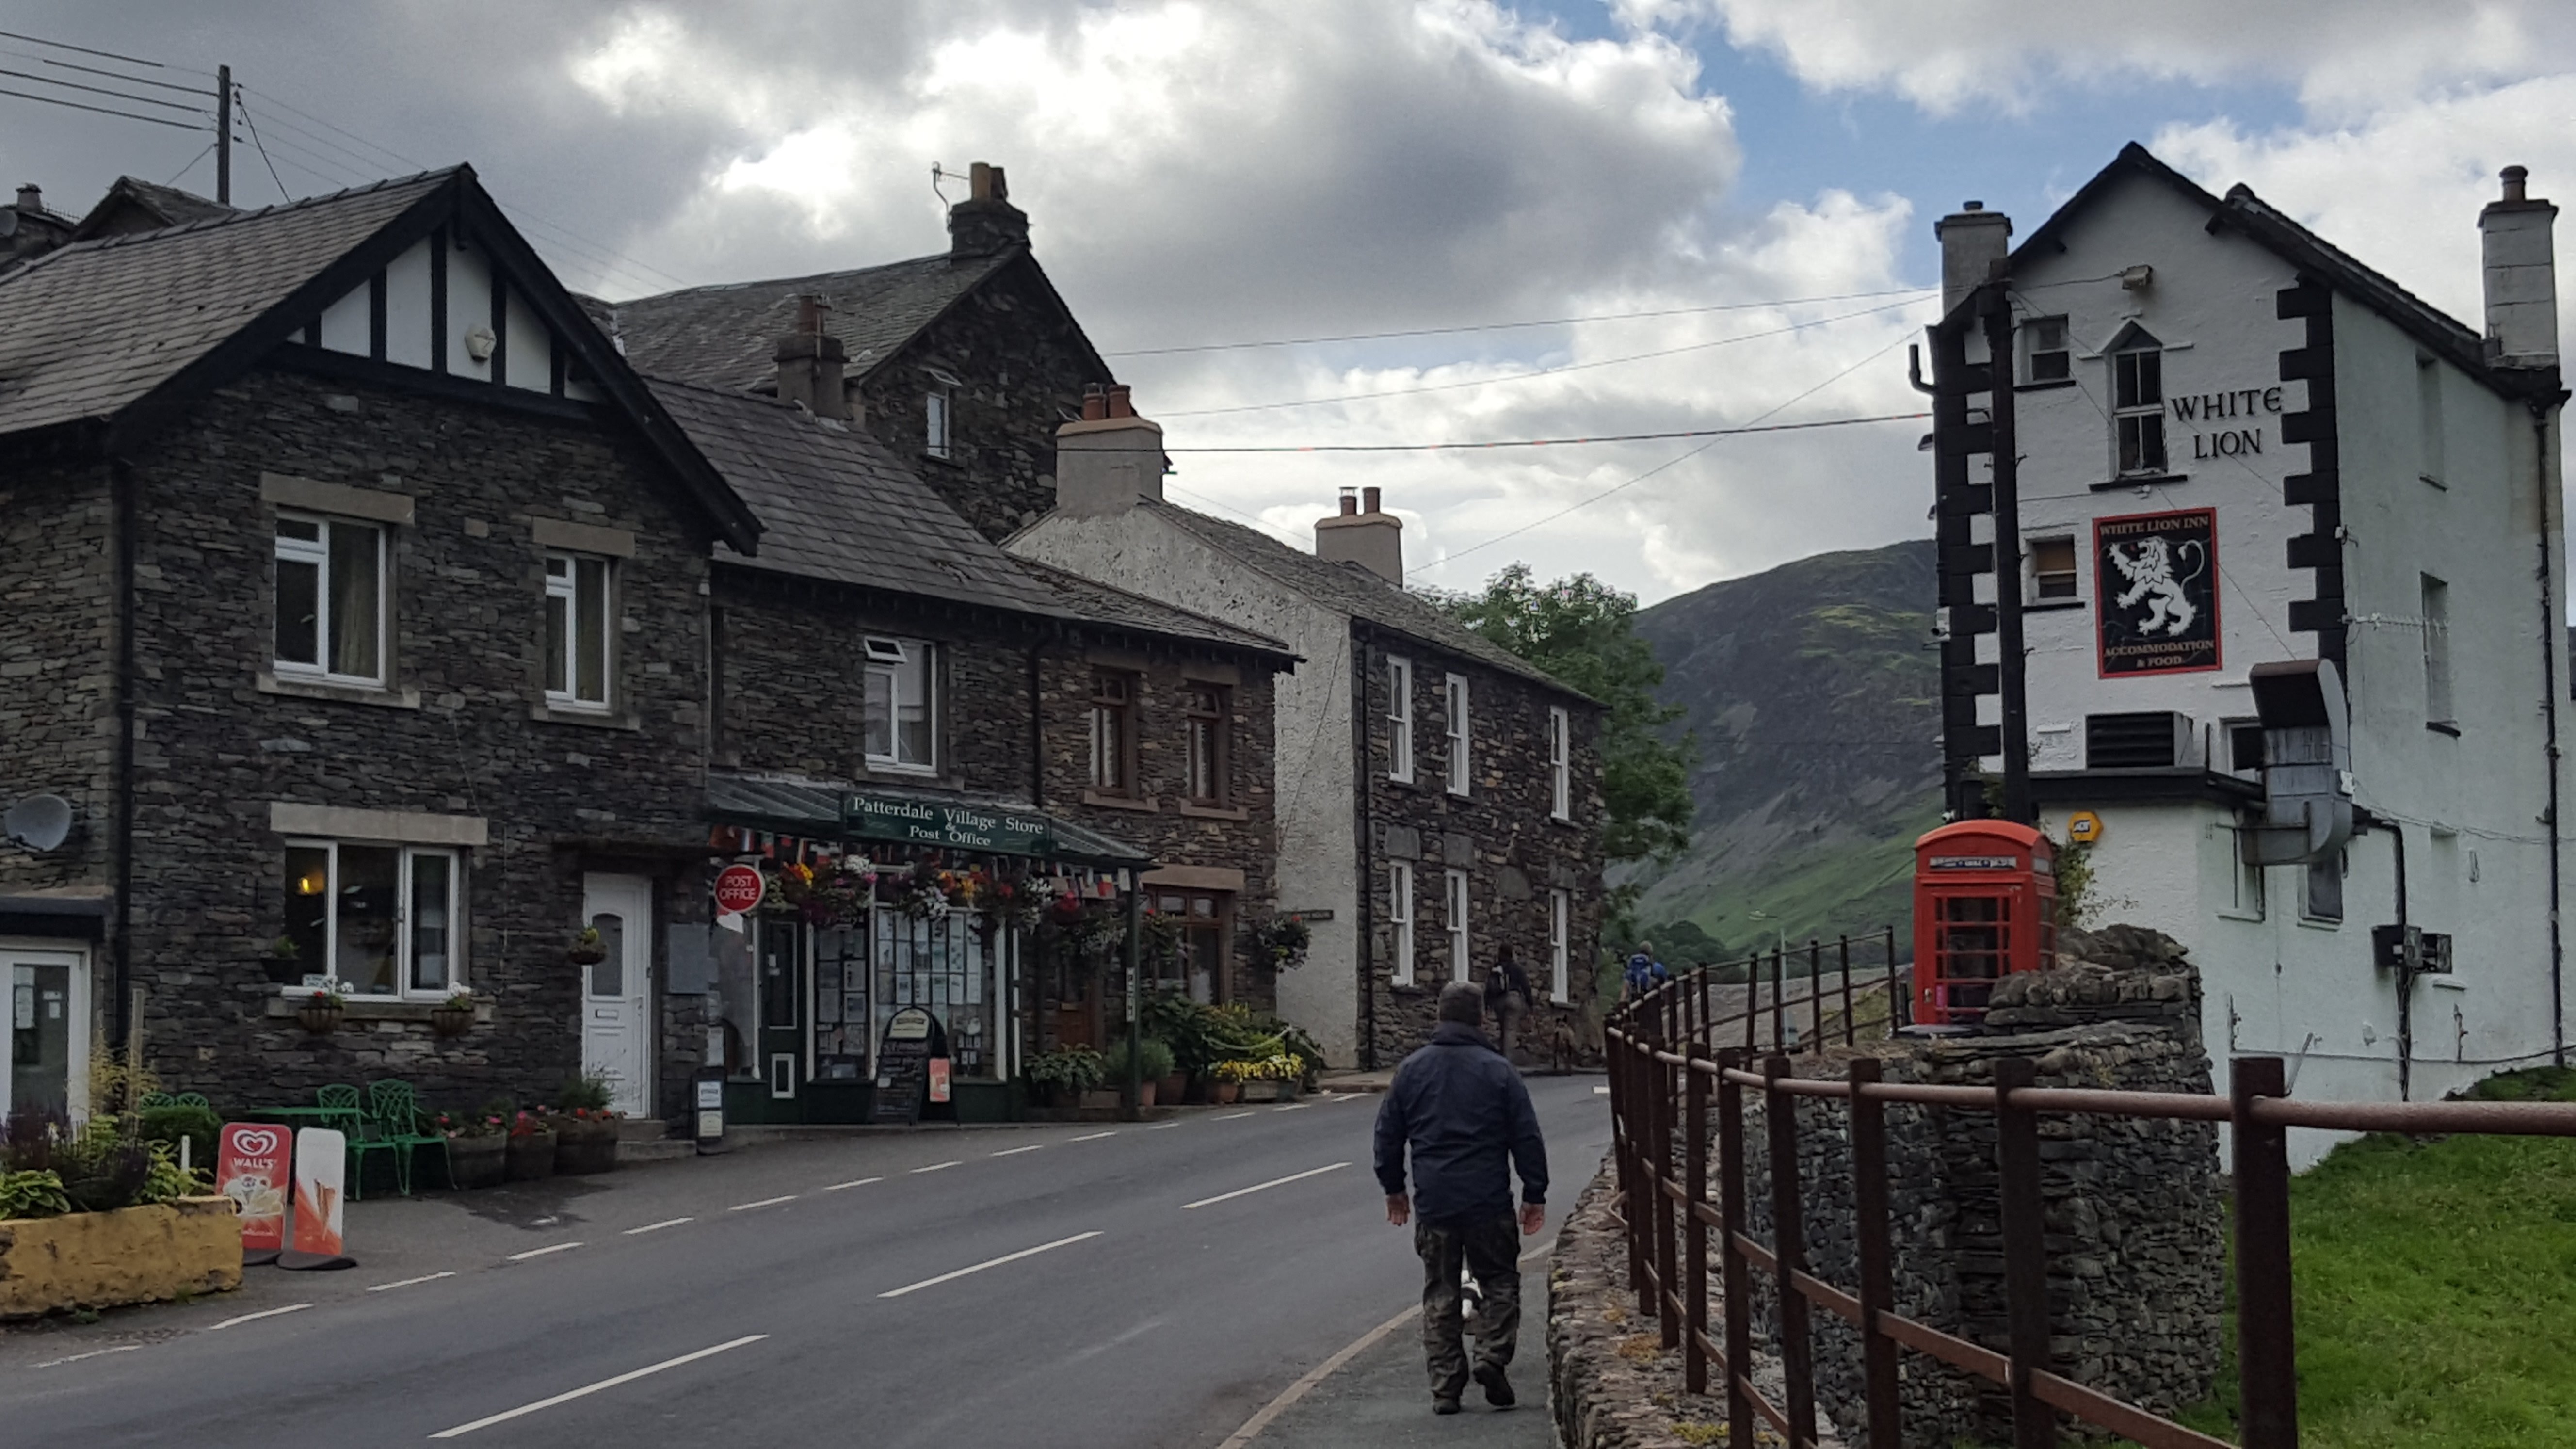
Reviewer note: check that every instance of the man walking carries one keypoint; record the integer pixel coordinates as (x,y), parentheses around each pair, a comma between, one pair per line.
(1507,998)
(1645,973)
(1465,1114)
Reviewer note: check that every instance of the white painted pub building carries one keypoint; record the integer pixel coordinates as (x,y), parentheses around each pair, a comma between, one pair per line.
(2247,465)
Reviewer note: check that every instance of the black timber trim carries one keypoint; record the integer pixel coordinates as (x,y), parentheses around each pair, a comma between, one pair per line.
(376,315)
(2182,783)
(438,300)
(322,362)
(500,328)
(1960,559)
(2320,489)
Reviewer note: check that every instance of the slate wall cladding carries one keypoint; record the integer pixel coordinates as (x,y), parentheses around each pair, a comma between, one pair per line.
(1019,366)
(216,747)
(57,677)
(1501,832)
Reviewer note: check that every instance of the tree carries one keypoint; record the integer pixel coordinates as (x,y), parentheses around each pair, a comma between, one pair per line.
(1582,633)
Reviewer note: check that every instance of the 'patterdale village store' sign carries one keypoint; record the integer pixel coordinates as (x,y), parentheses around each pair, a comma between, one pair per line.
(965,827)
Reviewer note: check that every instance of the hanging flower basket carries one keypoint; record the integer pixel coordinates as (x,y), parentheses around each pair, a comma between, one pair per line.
(1286,939)
(320,1011)
(587,948)
(454,1016)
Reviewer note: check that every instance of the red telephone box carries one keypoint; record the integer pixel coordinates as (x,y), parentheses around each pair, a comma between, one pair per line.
(1985,904)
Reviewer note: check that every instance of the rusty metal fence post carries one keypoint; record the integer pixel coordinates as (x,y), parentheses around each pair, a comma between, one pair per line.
(1876,1252)
(2023,1217)
(2266,1352)
(1779,1004)
(1897,995)
(1734,1272)
(1623,1117)
(1815,996)
(1752,1000)
(1842,949)
(1695,1226)
(1659,1087)
(1789,1253)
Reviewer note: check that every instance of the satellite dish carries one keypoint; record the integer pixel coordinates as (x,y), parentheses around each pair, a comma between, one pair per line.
(8,221)
(39,822)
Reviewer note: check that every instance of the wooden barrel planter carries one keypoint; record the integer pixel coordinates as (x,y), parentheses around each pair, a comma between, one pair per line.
(585,1145)
(531,1156)
(479,1161)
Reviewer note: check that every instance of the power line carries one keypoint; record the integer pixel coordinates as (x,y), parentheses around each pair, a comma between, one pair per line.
(101,54)
(104,110)
(140,80)
(46,80)
(1541,442)
(261,146)
(191,166)
(1508,326)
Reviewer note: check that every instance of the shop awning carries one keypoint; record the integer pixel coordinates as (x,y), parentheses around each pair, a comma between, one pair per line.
(834,812)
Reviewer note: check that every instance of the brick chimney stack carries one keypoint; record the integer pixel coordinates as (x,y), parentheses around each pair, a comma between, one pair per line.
(2521,275)
(1365,534)
(813,364)
(1973,240)
(1108,459)
(985,223)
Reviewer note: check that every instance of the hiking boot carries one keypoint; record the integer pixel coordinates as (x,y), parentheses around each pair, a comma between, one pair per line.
(1498,1389)
(1447,1404)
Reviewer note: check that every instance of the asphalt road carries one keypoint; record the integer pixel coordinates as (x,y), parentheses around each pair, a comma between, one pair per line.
(1114,1285)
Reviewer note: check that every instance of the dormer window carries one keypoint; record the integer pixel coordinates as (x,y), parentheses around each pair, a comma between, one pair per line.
(934,414)
(2138,402)
(2045,356)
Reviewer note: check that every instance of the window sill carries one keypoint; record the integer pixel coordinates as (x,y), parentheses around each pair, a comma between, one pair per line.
(2140,480)
(2047,385)
(887,769)
(944,460)
(1457,794)
(2251,917)
(383,698)
(2046,606)
(596,719)
(290,999)
(2312,923)
(1146,806)
(1214,812)
(2443,727)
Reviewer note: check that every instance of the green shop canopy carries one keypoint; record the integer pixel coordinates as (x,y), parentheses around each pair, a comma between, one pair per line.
(834,812)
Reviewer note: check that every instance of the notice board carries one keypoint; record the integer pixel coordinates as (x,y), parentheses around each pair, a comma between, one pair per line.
(912,1038)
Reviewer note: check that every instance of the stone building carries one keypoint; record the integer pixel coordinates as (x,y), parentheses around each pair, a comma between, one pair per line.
(2248,462)
(355,595)
(963,362)
(1440,796)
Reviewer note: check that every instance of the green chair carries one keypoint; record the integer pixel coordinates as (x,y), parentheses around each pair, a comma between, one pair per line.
(343,1113)
(150,1100)
(397,1117)
(192,1099)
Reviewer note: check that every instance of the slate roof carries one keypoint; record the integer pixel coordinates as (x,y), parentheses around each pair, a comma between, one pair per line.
(162,205)
(1099,602)
(91,327)
(725,336)
(836,504)
(1351,589)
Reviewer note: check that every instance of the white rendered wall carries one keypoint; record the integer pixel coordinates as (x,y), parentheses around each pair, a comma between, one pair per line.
(1317,863)
(407,317)
(469,305)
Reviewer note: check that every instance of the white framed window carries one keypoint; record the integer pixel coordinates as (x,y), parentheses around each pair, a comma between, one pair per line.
(1453,697)
(1399,719)
(577,632)
(1560,945)
(330,599)
(2045,356)
(1560,763)
(379,919)
(1455,918)
(902,716)
(934,423)
(1399,921)
(2138,404)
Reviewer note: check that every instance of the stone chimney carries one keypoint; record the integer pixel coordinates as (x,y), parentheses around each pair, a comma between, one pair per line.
(1109,459)
(812,363)
(31,198)
(1973,239)
(986,223)
(1364,534)
(2521,277)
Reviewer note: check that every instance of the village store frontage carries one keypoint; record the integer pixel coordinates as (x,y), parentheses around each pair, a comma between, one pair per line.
(987,917)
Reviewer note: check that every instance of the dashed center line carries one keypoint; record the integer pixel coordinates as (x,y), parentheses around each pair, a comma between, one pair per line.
(1265,1186)
(1163,1126)
(1093,1136)
(935,1167)
(1016,1151)
(265,1313)
(744,1207)
(93,1353)
(588,1389)
(1230,1116)
(989,1263)
(407,1282)
(541,1252)
(1293,1107)
(657,1227)
(854,1182)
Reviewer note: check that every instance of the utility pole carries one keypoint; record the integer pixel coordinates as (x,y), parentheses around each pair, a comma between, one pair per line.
(1994,308)
(223,134)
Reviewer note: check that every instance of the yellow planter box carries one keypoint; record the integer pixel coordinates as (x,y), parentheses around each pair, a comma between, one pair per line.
(132,1255)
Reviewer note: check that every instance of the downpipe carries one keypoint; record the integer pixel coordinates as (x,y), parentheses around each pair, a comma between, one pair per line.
(2551,629)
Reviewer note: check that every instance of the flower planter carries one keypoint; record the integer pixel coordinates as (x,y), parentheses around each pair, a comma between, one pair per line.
(1145,1093)
(451,1020)
(132,1255)
(1172,1089)
(1223,1093)
(319,1020)
(1269,1092)
(585,1145)
(586,955)
(478,1161)
(531,1156)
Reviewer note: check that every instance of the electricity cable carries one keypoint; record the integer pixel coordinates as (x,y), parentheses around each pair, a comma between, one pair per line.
(104,110)
(46,80)
(261,146)
(102,54)
(1479,445)
(1508,326)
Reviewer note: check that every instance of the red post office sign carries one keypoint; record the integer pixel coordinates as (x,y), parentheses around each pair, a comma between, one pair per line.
(738,889)
(251,1169)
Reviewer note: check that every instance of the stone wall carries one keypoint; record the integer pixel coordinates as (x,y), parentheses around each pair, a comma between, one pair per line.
(57,657)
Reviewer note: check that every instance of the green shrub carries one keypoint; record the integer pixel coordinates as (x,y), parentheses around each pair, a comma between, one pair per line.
(588,1092)
(1067,1068)
(165,1180)
(172,1121)
(1153,1059)
(32,1195)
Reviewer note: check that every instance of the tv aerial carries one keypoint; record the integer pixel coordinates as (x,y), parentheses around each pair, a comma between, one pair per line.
(39,822)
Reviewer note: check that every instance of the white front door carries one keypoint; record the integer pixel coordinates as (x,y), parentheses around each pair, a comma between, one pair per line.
(44,1053)
(617,990)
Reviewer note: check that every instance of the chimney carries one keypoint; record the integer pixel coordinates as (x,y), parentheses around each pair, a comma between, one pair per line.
(1973,240)
(31,199)
(985,223)
(811,363)
(1109,459)
(2521,276)
(1364,534)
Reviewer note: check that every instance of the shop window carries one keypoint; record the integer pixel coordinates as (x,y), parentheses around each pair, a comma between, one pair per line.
(1560,947)
(379,919)
(1198,968)
(2052,568)
(1113,732)
(2138,402)
(330,599)
(1399,922)
(934,415)
(1453,698)
(944,967)
(577,631)
(1560,763)
(841,1038)
(2438,709)
(2045,356)
(1210,723)
(902,718)
(1399,719)
(1455,918)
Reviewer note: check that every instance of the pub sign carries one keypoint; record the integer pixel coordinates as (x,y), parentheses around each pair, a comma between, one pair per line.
(2155,579)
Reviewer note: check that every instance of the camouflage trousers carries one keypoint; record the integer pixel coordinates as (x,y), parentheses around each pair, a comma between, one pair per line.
(1489,1249)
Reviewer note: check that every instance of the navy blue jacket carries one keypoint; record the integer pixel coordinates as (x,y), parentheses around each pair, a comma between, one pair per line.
(1465,1112)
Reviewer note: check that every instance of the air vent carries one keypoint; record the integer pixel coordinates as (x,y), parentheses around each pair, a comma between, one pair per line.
(2132,741)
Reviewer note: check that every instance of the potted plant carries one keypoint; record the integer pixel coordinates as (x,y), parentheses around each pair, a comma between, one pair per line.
(283,959)
(1153,1063)
(454,1016)
(587,948)
(1286,939)
(478,1146)
(532,1147)
(1223,1085)
(585,1126)
(322,1008)
(1063,1075)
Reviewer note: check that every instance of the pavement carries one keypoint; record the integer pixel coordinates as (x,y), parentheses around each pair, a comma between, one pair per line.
(1112,1285)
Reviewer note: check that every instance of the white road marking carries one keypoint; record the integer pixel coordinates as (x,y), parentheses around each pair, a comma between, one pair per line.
(989,1263)
(1265,1186)
(265,1313)
(854,1182)
(1253,1426)
(407,1282)
(93,1353)
(1159,1126)
(1601,1091)
(1230,1116)
(934,1167)
(744,1207)
(541,1252)
(1016,1151)
(1093,1136)
(1292,1107)
(657,1227)
(588,1389)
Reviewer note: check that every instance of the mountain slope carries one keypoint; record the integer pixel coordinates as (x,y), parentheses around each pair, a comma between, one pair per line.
(1816,697)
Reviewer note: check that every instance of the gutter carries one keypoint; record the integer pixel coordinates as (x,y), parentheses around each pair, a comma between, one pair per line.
(2550,632)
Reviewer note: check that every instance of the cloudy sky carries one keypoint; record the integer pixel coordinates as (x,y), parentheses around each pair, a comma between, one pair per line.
(1733,198)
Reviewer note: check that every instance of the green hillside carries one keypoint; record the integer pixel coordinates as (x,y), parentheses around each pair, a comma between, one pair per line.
(1815,695)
